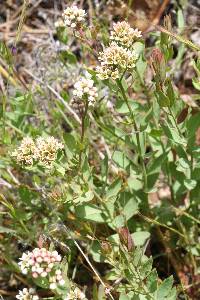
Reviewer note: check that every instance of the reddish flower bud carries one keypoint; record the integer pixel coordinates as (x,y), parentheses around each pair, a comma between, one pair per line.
(157,56)
(106,247)
(158,64)
(125,238)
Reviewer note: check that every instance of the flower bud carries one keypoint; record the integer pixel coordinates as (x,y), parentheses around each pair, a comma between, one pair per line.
(125,238)
(106,247)
(158,64)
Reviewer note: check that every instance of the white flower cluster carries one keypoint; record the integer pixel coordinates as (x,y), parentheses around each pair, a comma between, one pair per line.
(55,280)
(59,23)
(76,294)
(27,294)
(120,55)
(85,89)
(43,151)
(124,35)
(73,16)
(114,61)
(25,153)
(43,263)
(46,150)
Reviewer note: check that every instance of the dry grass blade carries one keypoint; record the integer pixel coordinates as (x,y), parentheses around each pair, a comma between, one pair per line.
(179,38)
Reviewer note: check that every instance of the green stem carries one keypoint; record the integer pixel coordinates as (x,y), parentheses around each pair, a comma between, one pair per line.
(83,132)
(153,221)
(182,212)
(136,132)
(187,241)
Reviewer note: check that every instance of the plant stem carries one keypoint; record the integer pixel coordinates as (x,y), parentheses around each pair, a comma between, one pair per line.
(136,132)
(153,221)
(83,132)
(182,212)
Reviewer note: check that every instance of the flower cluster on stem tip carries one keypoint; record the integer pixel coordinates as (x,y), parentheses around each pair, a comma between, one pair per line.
(27,294)
(124,35)
(42,263)
(120,55)
(73,16)
(75,294)
(25,152)
(114,61)
(84,89)
(46,150)
(43,151)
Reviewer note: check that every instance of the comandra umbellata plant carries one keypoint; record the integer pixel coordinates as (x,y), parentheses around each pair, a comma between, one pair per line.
(110,178)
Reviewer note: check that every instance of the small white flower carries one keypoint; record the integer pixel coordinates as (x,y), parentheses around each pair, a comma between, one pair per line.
(114,61)
(46,150)
(59,23)
(85,89)
(24,154)
(124,35)
(73,16)
(44,264)
(61,282)
(75,294)
(26,294)
(53,286)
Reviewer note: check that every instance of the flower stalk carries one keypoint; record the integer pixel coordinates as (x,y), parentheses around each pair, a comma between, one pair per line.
(123,93)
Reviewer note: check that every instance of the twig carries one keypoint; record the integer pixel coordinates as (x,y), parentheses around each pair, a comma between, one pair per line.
(5,183)
(160,12)
(8,76)
(6,293)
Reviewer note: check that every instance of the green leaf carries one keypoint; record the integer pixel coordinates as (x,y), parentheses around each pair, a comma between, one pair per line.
(190,184)
(68,57)
(170,93)
(193,124)
(165,288)
(90,212)
(60,170)
(86,197)
(196,83)
(119,221)
(180,19)
(120,159)
(121,106)
(172,295)
(114,188)
(140,237)
(173,135)
(138,47)
(152,281)
(123,296)
(71,144)
(155,165)
(128,205)
(42,282)
(162,99)
(130,209)
(26,194)
(62,35)
(183,165)
(146,267)
(141,66)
